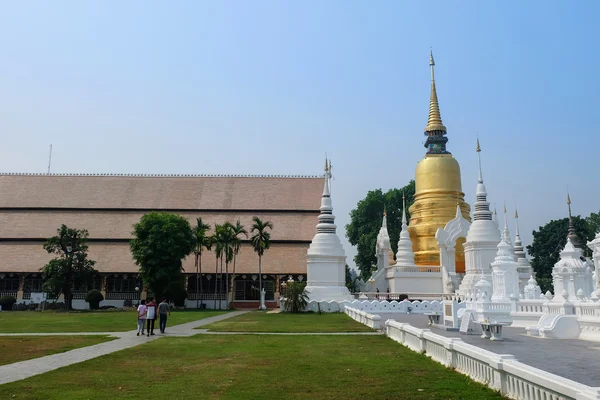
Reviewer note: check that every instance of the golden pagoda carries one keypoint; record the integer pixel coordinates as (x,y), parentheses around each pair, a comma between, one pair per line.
(438,189)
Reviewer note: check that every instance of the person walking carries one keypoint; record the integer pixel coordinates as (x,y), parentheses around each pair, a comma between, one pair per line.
(142,309)
(163,311)
(150,316)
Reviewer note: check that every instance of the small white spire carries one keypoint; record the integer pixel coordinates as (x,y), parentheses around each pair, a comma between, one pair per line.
(403,210)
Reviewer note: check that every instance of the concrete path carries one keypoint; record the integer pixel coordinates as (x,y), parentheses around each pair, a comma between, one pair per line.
(25,369)
(207,332)
(578,360)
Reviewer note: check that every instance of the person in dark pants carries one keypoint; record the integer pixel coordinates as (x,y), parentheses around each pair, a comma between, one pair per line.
(163,311)
(150,316)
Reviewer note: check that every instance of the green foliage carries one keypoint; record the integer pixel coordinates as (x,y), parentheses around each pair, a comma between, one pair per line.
(7,302)
(161,241)
(261,237)
(593,222)
(547,244)
(176,292)
(94,297)
(71,267)
(296,297)
(365,222)
(350,282)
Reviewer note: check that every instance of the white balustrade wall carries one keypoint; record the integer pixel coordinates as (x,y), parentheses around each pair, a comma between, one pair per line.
(377,306)
(501,372)
(365,318)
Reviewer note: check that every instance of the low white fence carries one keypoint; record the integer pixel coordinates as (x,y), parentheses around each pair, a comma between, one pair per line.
(501,372)
(396,296)
(365,318)
(378,306)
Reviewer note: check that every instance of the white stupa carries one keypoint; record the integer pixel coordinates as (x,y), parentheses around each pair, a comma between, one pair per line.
(404,275)
(569,274)
(482,240)
(523,265)
(382,246)
(594,245)
(326,259)
(505,281)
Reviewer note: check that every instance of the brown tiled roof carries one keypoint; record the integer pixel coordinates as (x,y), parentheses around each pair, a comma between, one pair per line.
(281,258)
(43,224)
(160,192)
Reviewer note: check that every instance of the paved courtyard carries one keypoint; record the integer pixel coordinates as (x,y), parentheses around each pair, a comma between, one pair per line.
(578,360)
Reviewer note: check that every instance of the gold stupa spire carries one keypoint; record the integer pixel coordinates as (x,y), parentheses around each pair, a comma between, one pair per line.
(384,211)
(326,164)
(434,122)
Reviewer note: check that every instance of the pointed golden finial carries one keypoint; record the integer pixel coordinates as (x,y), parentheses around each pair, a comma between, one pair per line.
(568,199)
(516,214)
(384,211)
(434,122)
(504,207)
(326,165)
(478,149)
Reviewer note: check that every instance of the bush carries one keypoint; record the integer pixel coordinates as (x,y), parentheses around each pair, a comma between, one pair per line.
(296,297)
(94,297)
(403,297)
(7,302)
(108,308)
(176,293)
(128,303)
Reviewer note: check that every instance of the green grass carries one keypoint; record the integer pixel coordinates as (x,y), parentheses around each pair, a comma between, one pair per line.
(19,348)
(258,321)
(101,321)
(255,367)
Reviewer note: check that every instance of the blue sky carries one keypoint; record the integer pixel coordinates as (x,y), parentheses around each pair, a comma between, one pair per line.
(268,87)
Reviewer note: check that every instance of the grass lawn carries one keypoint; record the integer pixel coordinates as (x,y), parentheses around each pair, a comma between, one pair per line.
(258,321)
(101,321)
(20,348)
(255,367)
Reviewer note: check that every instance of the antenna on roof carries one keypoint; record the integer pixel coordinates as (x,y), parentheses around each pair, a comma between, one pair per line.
(49,159)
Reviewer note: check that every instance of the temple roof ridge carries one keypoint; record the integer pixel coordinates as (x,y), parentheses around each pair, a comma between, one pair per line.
(136,175)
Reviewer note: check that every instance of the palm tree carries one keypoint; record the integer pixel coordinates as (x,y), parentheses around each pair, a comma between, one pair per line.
(238,229)
(261,241)
(216,238)
(228,241)
(203,241)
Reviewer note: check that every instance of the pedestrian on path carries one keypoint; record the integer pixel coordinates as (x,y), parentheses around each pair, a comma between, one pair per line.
(151,316)
(142,310)
(163,311)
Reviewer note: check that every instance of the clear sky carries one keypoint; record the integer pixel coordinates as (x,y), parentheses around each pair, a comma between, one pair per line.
(268,87)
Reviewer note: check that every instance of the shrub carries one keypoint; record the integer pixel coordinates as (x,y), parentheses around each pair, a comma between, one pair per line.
(176,293)
(7,302)
(94,297)
(128,303)
(403,297)
(296,297)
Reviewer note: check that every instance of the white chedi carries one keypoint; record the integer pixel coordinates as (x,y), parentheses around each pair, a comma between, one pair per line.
(326,259)
(505,280)
(532,291)
(570,274)
(594,245)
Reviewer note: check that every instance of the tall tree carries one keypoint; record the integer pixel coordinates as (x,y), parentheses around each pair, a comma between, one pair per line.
(238,230)
(261,241)
(72,267)
(548,242)
(217,240)
(202,242)
(161,241)
(593,222)
(229,239)
(365,222)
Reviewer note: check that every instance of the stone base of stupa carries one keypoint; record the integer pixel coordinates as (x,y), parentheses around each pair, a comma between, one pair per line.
(328,293)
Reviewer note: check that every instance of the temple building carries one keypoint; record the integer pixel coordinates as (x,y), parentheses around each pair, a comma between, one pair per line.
(33,207)
(437,190)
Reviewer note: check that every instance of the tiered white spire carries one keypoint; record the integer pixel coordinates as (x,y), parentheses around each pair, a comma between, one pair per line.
(404,256)
(326,259)
(482,239)
(482,207)
(383,247)
(519,250)
(569,274)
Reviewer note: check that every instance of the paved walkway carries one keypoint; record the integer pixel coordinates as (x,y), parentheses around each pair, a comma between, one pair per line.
(578,360)
(25,369)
